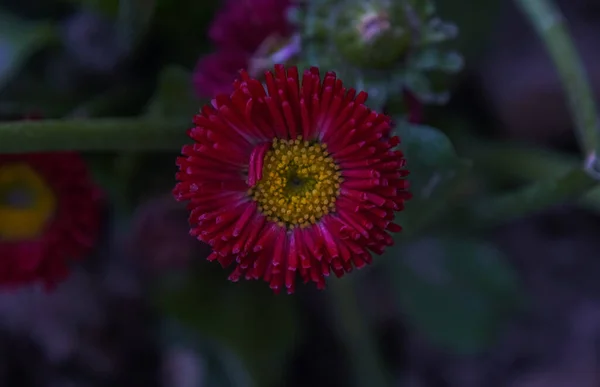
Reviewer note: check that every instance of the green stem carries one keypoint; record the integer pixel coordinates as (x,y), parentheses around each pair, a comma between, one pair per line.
(555,177)
(368,368)
(118,134)
(530,199)
(551,27)
(508,160)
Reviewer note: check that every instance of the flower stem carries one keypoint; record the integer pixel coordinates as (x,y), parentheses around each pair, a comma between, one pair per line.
(354,332)
(549,23)
(118,134)
(508,160)
(573,182)
(514,162)
(530,199)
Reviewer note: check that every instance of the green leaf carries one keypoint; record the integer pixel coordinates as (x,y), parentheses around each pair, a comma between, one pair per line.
(133,20)
(174,96)
(474,31)
(19,39)
(245,317)
(435,173)
(216,365)
(457,293)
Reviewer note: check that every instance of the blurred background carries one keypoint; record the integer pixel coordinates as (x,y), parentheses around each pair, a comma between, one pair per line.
(519,307)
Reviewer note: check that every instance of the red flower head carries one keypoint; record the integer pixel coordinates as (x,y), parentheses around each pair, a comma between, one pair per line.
(49,214)
(248,34)
(298,179)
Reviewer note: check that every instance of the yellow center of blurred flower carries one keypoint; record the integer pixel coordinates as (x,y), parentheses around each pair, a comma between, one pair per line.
(26,203)
(300,183)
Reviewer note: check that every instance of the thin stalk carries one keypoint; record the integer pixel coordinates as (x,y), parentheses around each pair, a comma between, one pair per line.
(117,134)
(550,25)
(367,367)
(535,197)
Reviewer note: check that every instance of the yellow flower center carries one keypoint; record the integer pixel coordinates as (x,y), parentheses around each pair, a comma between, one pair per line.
(300,183)
(26,203)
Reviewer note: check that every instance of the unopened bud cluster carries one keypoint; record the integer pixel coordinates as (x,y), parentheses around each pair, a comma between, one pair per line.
(381,46)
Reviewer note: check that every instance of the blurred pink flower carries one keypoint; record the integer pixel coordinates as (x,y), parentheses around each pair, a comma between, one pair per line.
(215,72)
(246,34)
(50,215)
(247,23)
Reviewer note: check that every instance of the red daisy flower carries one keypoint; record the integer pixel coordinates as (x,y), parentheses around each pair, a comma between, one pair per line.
(247,34)
(301,178)
(49,214)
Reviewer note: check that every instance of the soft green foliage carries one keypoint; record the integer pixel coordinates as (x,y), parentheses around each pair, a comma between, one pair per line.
(436,172)
(133,20)
(458,293)
(19,39)
(217,365)
(246,318)
(174,97)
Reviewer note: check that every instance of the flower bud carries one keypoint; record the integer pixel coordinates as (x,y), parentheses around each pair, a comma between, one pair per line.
(371,36)
(380,46)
